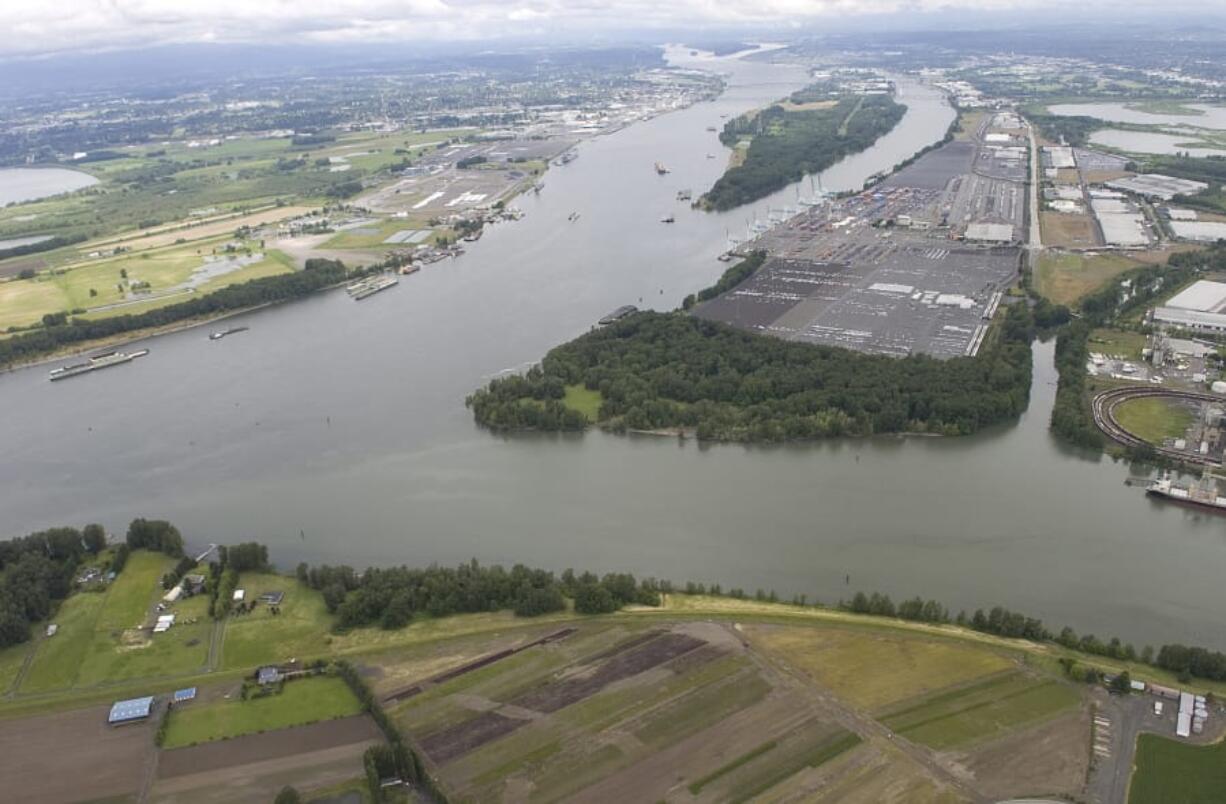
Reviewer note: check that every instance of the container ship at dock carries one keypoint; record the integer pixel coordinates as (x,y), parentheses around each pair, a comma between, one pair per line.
(1198,495)
(94,363)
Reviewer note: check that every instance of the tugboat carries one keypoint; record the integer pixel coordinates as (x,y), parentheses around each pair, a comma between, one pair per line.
(216,336)
(1202,494)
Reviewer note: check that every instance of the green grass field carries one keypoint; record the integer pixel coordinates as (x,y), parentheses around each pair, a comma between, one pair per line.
(1154,419)
(981,711)
(96,644)
(874,670)
(1065,278)
(1127,345)
(301,629)
(1171,772)
(11,659)
(302,701)
(581,399)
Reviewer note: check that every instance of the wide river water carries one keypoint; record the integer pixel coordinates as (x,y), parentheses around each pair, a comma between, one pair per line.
(335,431)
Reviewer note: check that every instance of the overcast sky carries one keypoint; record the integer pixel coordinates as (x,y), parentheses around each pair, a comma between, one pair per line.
(45,26)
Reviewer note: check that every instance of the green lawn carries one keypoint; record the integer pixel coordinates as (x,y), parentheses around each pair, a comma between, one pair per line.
(1154,419)
(581,399)
(300,702)
(97,643)
(11,659)
(1171,772)
(1065,278)
(301,630)
(135,590)
(1127,345)
(981,710)
(58,659)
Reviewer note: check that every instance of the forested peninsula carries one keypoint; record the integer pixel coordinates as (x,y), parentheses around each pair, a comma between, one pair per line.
(672,371)
(786,144)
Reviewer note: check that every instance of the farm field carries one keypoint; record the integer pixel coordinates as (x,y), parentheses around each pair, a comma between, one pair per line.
(1170,772)
(1065,278)
(981,710)
(300,702)
(874,670)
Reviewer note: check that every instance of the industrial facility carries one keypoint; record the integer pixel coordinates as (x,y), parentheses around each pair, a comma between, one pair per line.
(1201,307)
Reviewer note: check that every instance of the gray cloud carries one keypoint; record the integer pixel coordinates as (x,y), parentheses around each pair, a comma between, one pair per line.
(36,26)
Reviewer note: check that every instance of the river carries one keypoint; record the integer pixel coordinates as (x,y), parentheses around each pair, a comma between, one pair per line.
(335,431)
(29,184)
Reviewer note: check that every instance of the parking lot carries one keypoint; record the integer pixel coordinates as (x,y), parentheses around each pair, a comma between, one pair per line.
(888,270)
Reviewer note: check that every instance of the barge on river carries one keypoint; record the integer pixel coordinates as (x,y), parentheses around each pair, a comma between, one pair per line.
(369,287)
(94,363)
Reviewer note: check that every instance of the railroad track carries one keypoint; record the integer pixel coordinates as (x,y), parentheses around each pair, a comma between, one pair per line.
(1105,403)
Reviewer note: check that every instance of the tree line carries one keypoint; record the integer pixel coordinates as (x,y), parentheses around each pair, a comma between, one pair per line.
(37,571)
(787,145)
(59,241)
(671,370)
(319,273)
(728,280)
(390,597)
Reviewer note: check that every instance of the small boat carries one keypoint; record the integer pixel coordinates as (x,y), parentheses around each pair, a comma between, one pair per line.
(216,336)
(668,219)
(712,128)
(660,169)
(684,195)
(572,217)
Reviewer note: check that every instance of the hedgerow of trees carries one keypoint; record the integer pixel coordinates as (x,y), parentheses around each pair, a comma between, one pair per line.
(36,571)
(391,597)
(787,145)
(671,370)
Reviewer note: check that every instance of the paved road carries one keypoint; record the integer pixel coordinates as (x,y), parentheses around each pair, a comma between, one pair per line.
(1034,241)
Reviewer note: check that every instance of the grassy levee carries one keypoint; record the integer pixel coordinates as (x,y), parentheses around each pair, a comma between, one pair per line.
(301,701)
(1171,772)
(47,685)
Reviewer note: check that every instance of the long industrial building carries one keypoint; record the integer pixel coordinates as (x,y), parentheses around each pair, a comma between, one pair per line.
(1201,307)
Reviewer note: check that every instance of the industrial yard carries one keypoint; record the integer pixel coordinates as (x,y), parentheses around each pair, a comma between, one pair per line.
(917,264)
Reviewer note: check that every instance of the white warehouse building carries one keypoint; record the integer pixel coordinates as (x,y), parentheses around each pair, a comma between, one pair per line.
(1200,306)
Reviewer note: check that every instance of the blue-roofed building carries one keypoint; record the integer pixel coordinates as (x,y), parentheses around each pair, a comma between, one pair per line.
(184,695)
(130,711)
(268,675)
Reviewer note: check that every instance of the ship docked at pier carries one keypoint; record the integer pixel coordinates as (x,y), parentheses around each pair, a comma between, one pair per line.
(369,287)
(94,363)
(1202,494)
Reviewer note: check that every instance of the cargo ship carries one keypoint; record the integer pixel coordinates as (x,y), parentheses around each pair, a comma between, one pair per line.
(94,363)
(1199,495)
(369,287)
(216,336)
